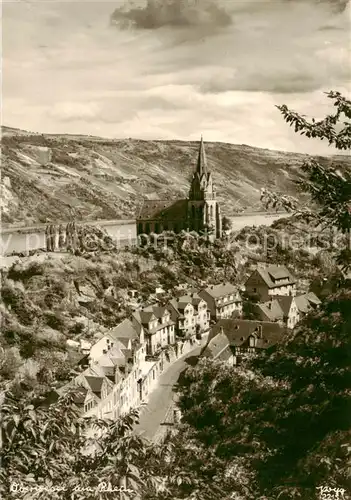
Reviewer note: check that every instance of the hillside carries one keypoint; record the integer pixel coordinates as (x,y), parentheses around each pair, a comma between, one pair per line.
(55,177)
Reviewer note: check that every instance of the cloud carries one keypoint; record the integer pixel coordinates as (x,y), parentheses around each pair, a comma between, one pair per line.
(175,13)
(72,111)
(78,74)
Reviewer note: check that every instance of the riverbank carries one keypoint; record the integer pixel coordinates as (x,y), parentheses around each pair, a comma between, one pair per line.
(5,229)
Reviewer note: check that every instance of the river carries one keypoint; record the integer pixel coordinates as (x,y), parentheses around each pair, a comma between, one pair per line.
(25,239)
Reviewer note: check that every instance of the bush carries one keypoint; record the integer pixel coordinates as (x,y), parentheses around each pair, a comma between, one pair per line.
(23,272)
(10,363)
(54,320)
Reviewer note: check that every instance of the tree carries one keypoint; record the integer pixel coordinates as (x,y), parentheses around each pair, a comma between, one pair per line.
(329,186)
(47,448)
(47,451)
(226,223)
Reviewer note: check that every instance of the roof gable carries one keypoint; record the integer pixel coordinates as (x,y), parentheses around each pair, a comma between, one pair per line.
(285,302)
(271,310)
(95,384)
(275,276)
(216,345)
(124,330)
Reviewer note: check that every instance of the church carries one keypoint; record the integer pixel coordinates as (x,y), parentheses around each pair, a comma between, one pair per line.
(200,212)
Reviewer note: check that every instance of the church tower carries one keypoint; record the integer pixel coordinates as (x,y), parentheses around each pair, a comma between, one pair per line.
(203,209)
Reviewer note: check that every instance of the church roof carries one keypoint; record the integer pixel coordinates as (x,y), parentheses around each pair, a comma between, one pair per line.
(163,209)
(201,167)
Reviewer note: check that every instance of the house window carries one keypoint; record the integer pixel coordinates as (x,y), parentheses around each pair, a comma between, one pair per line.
(140,227)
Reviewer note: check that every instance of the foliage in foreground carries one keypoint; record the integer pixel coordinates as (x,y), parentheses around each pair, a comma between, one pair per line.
(329,187)
(47,455)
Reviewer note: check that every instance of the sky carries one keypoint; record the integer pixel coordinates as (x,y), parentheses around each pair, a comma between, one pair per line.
(174,69)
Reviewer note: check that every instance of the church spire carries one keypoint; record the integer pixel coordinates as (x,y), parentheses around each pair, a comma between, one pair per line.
(201,167)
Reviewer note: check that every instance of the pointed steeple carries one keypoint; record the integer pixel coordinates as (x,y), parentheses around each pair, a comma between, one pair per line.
(201,167)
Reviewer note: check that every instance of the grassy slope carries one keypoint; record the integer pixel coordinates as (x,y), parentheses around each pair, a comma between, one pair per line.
(94,178)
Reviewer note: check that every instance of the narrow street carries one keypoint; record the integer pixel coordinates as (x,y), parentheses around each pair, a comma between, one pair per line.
(160,400)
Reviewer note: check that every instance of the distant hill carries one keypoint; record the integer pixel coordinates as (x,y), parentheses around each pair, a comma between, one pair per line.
(54,177)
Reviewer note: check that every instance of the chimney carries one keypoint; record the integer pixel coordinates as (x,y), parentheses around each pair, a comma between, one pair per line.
(104,351)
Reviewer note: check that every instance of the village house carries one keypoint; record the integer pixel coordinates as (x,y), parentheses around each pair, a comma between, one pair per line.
(244,337)
(191,314)
(158,327)
(118,376)
(222,300)
(123,336)
(125,363)
(280,308)
(272,280)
